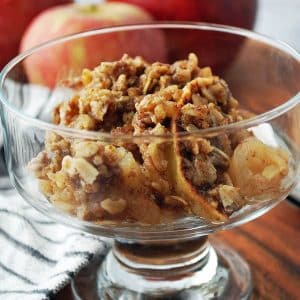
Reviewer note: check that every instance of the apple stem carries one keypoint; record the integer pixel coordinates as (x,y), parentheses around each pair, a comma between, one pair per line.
(91,8)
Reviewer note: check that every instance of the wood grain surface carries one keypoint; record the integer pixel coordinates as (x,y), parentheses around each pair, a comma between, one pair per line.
(271,246)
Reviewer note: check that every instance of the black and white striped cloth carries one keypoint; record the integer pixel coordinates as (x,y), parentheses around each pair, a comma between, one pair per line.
(38,257)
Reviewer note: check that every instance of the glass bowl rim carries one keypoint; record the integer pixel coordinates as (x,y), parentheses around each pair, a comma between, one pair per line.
(95,135)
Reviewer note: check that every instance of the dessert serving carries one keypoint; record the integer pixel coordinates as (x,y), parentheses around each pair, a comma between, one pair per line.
(156,152)
(172,174)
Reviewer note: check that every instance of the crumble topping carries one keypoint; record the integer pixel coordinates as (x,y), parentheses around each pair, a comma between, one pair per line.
(152,181)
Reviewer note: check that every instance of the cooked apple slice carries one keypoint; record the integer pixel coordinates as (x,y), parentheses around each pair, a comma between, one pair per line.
(263,167)
(184,186)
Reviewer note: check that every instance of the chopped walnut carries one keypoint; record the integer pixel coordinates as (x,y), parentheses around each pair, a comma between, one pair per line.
(37,164)
(230,197)
(86,148)
(113,207)
(80,166)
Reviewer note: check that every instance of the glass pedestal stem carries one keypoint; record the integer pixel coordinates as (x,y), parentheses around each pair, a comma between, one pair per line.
(181,270)
(197,269)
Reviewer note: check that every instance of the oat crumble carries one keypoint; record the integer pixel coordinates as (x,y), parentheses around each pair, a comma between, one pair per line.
(152,182)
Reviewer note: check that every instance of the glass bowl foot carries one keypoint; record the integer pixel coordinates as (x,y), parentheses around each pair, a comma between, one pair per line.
(187,271)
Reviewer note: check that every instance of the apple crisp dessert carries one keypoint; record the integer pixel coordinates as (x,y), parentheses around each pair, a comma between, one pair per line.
(155,164)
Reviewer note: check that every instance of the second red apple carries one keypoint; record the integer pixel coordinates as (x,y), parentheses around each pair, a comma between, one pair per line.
(239,13)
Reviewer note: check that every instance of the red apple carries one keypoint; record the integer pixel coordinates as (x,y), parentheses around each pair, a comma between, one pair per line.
(15,15)
(239,13)
(52,64)
(205,44)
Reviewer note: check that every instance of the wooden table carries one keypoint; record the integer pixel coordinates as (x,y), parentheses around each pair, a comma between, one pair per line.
(271,245)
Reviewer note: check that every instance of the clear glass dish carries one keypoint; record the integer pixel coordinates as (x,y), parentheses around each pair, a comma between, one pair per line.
(173,259)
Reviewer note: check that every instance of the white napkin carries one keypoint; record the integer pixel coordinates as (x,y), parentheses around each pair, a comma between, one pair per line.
(38,257)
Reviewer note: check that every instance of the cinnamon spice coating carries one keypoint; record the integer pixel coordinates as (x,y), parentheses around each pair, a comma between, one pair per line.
(152,181)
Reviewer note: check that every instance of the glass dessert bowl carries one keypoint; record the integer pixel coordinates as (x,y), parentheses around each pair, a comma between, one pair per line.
(158,155)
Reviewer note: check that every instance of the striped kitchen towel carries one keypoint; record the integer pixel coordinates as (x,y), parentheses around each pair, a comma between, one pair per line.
(38,257)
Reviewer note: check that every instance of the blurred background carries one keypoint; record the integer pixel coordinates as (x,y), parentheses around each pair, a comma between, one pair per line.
(23,23)
(280,19)
(277,18)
